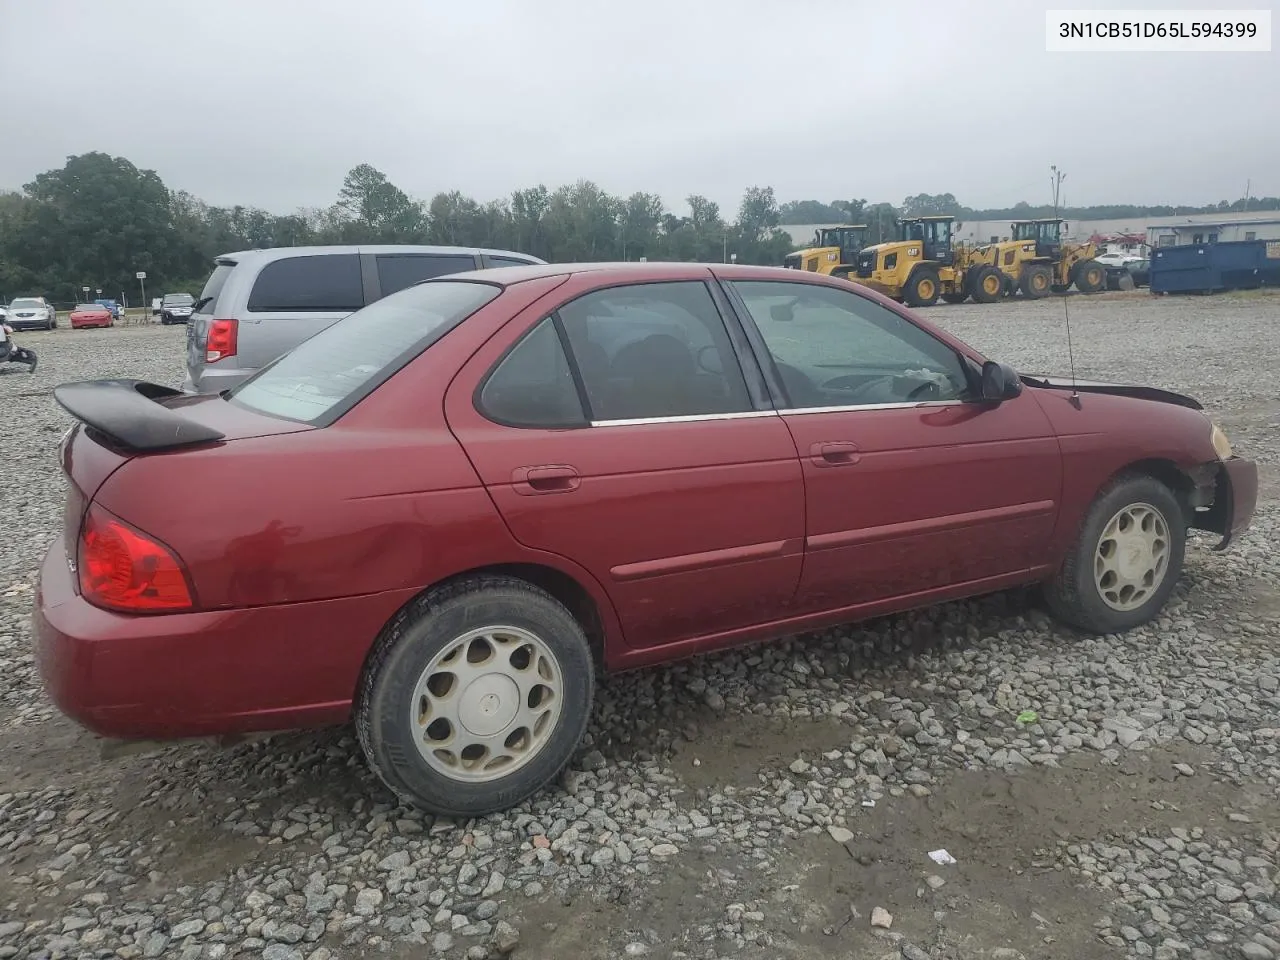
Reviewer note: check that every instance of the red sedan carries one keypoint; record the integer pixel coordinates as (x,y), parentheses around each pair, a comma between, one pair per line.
(442,514)
(91,315)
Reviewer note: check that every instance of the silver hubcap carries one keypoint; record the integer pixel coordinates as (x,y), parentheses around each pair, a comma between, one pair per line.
(486,704)
(1132,557)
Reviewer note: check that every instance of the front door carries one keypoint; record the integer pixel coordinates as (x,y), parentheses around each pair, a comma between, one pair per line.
(619,431)
(910,486)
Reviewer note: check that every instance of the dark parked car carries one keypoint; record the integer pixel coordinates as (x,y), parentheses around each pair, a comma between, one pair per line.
(440,515)
(176,308)
(1140,270)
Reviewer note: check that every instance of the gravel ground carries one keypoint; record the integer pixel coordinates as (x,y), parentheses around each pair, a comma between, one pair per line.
(775,802)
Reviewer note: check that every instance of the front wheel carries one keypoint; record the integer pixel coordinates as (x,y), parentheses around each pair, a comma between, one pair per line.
(1090,276)
(923,287)
(475,697)
(1125,562)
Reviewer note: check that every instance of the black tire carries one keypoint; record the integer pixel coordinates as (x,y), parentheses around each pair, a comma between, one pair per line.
(1074,596)
(404,651)
(986,284)
(1090,276)
(1036,282)
(923,288)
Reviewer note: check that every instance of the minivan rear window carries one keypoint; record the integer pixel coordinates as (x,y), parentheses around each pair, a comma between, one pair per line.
(321,283)
(330,372)
(207,302)
(399,270)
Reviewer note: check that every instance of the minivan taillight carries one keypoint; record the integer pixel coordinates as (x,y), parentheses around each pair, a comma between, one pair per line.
(121,568)
(221,342)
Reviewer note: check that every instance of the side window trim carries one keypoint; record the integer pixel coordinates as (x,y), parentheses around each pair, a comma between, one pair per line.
(369,277)
(782,402)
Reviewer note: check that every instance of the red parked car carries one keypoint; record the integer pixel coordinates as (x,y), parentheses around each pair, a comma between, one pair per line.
(91,315)
(443,513)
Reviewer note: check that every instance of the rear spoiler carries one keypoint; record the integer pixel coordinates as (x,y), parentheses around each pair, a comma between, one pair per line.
(129,412)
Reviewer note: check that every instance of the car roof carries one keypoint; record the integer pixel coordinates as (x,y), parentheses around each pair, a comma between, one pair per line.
(280,253)
(634,271)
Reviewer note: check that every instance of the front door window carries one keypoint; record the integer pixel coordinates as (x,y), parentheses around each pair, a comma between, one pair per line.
(833,348)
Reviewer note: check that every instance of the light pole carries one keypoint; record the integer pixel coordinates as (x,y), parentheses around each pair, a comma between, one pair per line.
(142,282)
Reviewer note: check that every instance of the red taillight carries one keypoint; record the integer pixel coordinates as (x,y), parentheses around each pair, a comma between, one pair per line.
(221,342)
(123,569)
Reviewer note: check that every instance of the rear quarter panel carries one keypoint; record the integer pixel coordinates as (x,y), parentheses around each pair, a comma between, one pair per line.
(1107,435)
(384,499)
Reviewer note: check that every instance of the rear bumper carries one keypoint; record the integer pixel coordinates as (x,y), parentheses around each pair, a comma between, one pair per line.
(84,324)
(201,674)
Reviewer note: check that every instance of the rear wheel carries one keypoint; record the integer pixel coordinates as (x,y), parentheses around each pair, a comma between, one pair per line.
(986,284)
(1036,281)
(1126,560)
(922,288)
(1090,276)
(475,697)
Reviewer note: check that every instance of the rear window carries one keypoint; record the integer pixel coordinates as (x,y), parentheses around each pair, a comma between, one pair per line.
(399,270)
(207,302)
(331,371)
(323,283)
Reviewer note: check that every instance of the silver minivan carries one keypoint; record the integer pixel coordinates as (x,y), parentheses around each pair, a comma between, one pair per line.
(258,304)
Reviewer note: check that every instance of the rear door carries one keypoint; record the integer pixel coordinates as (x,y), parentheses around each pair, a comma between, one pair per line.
(293,298)
(620,431)
(910,486)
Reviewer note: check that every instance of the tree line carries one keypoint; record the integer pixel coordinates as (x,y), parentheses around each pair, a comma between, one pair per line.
(98,220)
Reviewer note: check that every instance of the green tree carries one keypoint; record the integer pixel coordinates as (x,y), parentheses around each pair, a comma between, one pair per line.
(758,215)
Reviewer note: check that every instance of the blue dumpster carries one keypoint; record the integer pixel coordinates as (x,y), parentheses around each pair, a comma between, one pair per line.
(1211,267)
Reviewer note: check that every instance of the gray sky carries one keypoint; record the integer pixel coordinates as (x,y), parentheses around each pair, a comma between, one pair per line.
(270,102)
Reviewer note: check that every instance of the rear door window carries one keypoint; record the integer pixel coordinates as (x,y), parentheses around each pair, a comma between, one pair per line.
(323,283)
(399,270)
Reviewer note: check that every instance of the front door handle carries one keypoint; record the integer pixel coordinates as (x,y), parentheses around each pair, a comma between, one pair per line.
(834,454)
(550,478)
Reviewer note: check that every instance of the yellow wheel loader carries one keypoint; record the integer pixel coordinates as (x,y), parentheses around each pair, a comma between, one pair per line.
(923,265)
(833,252)
(1038,262)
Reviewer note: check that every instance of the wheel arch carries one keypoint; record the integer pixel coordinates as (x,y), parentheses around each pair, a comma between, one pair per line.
(1178,480)
(595,614)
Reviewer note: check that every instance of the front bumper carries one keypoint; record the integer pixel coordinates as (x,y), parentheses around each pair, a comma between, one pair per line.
(29,323)
(1234,499)
(203,674)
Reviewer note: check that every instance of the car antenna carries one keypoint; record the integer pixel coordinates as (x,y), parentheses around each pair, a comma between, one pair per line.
(1056,180)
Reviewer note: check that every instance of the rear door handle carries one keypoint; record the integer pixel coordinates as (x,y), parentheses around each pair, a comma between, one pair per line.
(550,478)
(834,454)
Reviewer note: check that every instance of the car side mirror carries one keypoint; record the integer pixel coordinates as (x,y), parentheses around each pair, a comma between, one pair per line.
(999,382)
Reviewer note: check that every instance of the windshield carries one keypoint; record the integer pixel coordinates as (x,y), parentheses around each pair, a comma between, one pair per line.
(89,308)
(25,303)
(180,299)
(345,361)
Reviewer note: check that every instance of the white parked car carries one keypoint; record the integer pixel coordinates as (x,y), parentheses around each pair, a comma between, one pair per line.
(1116,259)
(155,306)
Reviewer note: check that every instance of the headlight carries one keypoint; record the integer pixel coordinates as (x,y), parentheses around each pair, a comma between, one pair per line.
(1221,445)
